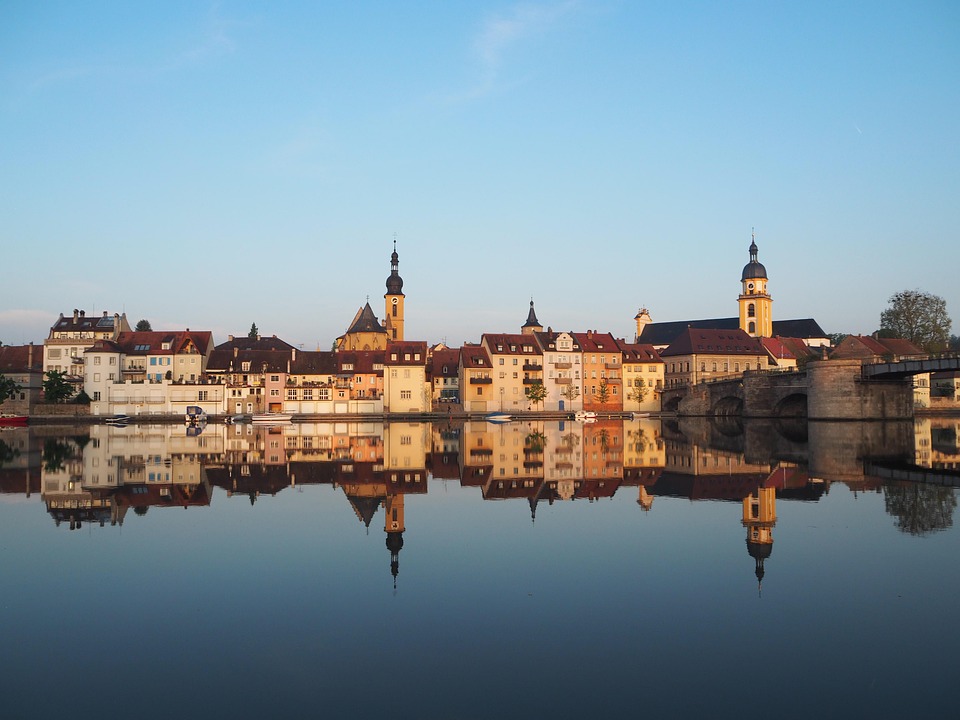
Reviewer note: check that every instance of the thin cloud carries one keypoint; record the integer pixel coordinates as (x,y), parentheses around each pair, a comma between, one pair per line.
(504,32)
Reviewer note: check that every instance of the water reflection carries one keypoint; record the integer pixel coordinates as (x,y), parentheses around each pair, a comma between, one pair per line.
(96,475)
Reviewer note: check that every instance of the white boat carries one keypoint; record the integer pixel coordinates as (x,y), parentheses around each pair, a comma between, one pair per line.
(585,415)
(272,417)
(497,417)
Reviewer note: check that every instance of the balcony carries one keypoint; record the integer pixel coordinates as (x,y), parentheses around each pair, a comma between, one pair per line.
(612,365)
(484,452)
(532,367)
(563,366)
(532,381)
(563,380)
(481,381)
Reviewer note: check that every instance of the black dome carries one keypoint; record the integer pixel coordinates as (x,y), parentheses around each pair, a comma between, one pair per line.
(754,268)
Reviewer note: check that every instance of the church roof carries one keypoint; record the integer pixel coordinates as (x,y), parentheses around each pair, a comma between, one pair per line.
(532,318)
(366,321)
(664,333)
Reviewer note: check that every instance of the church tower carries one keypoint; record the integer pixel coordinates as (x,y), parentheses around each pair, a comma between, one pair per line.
(393,300)
(532,325)
(759,517)
(756,305)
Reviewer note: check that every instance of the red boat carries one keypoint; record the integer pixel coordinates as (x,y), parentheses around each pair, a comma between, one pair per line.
(8,420)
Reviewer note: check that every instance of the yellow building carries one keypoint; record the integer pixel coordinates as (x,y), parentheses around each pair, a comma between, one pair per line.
(642,377)
(756,305)
(405,387)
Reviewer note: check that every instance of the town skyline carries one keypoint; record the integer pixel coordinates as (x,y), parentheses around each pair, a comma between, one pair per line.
(216,166)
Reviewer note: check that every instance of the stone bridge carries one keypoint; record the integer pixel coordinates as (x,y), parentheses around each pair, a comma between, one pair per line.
(824,390)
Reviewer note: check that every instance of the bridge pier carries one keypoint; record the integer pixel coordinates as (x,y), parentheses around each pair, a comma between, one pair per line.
(837,391)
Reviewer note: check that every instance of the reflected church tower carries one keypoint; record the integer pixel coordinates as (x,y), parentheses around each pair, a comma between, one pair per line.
(759,517)
(394,526)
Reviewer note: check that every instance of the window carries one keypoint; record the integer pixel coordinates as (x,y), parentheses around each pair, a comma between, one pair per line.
(405,395)
(96,395)
(274,378)
(96,360)
(245,366)
(96,377)
(202,396)
(751,310)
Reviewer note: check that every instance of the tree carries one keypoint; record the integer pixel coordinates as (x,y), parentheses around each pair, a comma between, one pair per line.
(571,392)
(254,331)
(56,387)
(836,338)
(919,317)
(143,326)
(920,509)
(8,388)
(638,392)
(535,393)
(603,393)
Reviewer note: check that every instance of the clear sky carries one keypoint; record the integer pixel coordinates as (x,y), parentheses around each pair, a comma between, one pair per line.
(211,165)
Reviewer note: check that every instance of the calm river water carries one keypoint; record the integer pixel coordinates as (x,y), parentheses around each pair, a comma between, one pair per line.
(525,570)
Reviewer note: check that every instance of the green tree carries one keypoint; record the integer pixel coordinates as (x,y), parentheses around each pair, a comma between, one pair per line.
(638,392)
(254,331)
(56,387)
(919,317)
(603,393)
(535,393)
(143,326)
(571,392)
(836,338)
(920,509)
(8,388)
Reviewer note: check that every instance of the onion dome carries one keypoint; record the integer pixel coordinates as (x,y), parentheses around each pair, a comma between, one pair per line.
(394,282)
(753,269)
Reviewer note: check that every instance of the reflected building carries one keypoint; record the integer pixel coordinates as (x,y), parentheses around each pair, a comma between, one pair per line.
(759,517)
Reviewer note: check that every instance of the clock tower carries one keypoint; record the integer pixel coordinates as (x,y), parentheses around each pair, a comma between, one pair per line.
(756,305)
(393,300)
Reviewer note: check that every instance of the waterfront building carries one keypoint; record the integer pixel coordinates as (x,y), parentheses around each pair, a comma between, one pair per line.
(700,354)
(150,373)
(310,382)
(70,336)
(476,381)
(405,386)
(23,364)
(252,371)
(643,377)
(602,366)
(562,362)
(443,373)
(517,364)
(358,385)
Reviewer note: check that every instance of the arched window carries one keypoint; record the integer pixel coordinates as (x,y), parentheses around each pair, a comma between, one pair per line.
(752,328)
(751,310)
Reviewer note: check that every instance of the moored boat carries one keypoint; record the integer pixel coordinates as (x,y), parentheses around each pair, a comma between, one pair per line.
(497,417)
(11,420)
(272,417)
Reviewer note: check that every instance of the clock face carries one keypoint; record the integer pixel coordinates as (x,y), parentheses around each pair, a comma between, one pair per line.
(394,301)
(749,286)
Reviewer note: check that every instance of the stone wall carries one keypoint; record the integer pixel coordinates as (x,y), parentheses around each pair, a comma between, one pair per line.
(837,392)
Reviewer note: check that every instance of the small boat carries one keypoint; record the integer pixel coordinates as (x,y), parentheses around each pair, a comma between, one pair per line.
(11,420)
(272,418)
(639,415)
(120,419)
(497,417)
(236,419)
(585,416)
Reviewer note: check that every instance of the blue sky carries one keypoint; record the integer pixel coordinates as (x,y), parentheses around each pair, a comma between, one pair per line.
(210,165)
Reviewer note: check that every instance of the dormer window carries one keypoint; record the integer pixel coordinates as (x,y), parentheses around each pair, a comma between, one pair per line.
(245,366)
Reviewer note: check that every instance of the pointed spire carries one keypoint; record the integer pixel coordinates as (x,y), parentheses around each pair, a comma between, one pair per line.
(394,282)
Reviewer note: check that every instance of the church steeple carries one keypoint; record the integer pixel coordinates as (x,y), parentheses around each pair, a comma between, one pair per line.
(393,300)
(756,311)
(532,325)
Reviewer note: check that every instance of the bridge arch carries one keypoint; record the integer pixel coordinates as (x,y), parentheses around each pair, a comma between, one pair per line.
(671,404)
(792,405)
(728,405)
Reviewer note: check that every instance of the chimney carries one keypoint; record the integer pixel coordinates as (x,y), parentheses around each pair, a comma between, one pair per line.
(76,314)
(104,313)
(30,356)
(236,351)
(83,313)
(230,338)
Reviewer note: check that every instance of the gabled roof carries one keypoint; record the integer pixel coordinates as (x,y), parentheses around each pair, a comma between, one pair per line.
(776,348)
(80,321)
(258,343)
(361,362)
(548,340)
(318,362)
(448,359)
(260,360)
(407,352)
(366,321)
(866,346)
(592,341)
(702,341)
(639,353)
(21,358)
(510,344)
(153,342)
(474,356)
